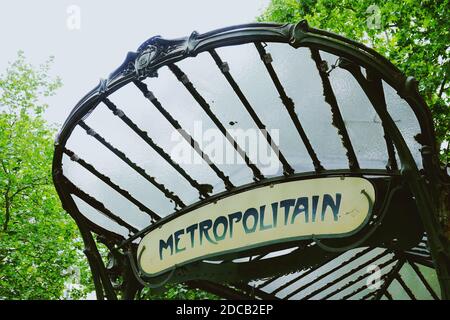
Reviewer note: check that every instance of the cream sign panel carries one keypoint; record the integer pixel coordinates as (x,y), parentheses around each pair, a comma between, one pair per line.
(321,207)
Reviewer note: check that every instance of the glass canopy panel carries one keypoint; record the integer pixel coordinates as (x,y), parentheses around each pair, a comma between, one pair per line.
(405,119)
(252,77)
(113,201)
(410,277)
(337,279)
(351,275)
(246,67)
(105,162)
(142,112)
(157,181)
(177,100)
(123,138)
(298,75)
(361,120)
(300,78)
(211,83)
(97,218)
(431,276)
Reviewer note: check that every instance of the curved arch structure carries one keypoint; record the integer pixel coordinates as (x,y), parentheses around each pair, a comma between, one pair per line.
(329,109)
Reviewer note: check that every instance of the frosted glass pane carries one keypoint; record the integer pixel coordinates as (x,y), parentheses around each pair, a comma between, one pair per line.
(177,100)
(298,74)
(334,275)
(250,73)
(431,277)
(97,218)
(361,120)
(149,119)
(416,285)
(112,200)
(87,148)
(299,77)
(397,291)
(123,138)
(225,104)
(405,120)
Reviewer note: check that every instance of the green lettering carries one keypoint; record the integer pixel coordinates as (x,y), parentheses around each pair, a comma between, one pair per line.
(300,207)
(287,204)
(177,235)
(220,221)
(250,212)
(334,205)
(165,245)
(204,231)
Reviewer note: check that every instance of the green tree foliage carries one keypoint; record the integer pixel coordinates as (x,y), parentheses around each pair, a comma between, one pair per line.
(413,34)
(39,242)
(176,292)
(41,251)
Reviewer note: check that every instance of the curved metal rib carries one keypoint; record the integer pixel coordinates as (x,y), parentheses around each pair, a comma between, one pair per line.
(182,77)
(202,188)
(90,200)
(336,280)
(194,144)
(114,186)
(338,121)
(358,279)
(124,158)
(289,104)
(287,169)
(373,88)
(344,263)
(298,35)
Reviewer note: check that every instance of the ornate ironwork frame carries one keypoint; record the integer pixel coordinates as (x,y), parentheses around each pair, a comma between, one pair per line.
(429,187)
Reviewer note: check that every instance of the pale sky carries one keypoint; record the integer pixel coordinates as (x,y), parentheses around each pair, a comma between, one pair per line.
(108,30)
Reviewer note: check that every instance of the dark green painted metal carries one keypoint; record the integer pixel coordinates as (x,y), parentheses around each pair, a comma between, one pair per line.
(426,186)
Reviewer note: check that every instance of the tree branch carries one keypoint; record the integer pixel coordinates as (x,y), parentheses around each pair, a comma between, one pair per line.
(442,86)
(35,183)
(7,209)
(4,167)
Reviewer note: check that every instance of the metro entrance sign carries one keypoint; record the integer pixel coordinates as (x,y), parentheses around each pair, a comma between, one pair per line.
(357,150)
(323,208)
